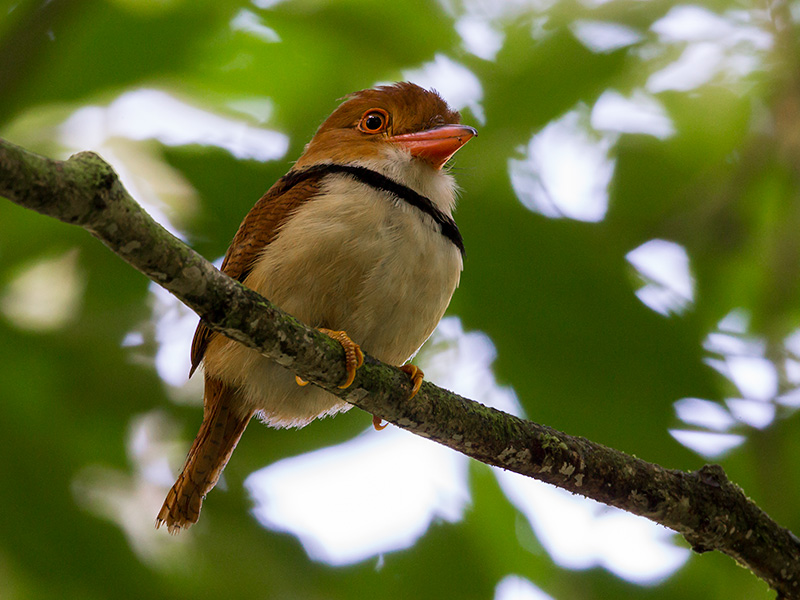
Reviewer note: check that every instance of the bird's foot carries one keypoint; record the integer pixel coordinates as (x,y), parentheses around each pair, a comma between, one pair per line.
(300,382)
(416,375)
(352,351)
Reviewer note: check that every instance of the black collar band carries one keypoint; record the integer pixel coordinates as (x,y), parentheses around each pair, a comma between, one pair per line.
(378,181)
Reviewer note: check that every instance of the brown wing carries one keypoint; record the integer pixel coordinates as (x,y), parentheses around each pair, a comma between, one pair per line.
(258,229)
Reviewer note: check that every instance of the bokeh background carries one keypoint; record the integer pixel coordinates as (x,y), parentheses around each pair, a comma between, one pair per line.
(632,223)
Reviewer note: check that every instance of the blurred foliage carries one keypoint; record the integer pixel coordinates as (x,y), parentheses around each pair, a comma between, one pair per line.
(556,296)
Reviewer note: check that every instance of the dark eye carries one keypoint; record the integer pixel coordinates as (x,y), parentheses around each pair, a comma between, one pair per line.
(374,120)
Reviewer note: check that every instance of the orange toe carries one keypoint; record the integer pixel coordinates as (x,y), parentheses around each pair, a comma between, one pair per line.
(378,424)
(353,355)
(416,375)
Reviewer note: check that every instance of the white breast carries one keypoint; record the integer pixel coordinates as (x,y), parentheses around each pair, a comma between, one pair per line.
(364,261)
(353,259)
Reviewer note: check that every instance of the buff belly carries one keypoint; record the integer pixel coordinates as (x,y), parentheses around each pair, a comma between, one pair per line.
(361,262)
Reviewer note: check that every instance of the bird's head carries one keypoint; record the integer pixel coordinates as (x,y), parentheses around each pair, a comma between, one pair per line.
(395,123)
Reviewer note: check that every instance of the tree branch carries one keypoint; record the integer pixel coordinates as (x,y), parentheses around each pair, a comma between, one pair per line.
(704,506)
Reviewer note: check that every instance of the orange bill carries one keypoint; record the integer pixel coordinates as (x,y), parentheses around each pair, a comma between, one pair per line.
(436,145)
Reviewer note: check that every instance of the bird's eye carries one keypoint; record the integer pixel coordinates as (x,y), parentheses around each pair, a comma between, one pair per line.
(374,120)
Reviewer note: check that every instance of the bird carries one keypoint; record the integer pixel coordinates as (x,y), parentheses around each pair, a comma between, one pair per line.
(357,240)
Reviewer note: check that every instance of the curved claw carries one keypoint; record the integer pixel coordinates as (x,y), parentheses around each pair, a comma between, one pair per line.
(300,382)
(416,375)
(378,423)
(352,351)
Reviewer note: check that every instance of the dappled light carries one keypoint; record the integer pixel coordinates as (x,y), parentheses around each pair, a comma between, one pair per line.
(117,130)
(374,494)
(729,47)
(493,17)
(704,413)
(249,22)
(514,587)
(639,113)
(170,329)
(174,328)
(708,444)
(605,36)
(154,114)
(580,533)
(130,499)
(546,178)
(46,294)
(741,358)
(164,341)
(455,82)
(663,267)
(479,37)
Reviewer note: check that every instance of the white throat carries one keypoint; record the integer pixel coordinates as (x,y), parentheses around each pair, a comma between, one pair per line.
(437,185)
